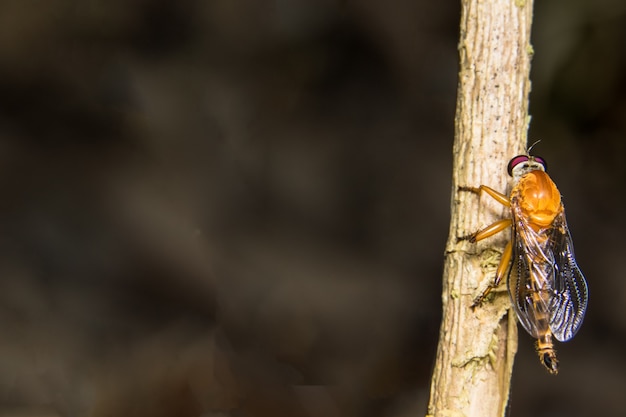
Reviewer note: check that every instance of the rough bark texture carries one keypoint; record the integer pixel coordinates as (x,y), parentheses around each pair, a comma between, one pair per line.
(477,347)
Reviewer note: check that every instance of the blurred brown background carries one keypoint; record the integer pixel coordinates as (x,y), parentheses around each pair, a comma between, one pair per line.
(239,207)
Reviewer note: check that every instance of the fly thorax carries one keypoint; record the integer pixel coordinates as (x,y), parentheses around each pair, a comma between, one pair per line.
(538,198)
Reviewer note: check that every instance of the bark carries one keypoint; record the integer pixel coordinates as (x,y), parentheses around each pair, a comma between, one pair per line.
(476,347)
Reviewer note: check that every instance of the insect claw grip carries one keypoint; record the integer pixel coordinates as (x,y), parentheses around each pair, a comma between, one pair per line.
(471,238)
(478,301)
(470,189)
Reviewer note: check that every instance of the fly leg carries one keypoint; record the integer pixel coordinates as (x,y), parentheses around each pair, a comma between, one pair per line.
(492,229)
(489,231)
(505,260)
(499,197)
(502,267)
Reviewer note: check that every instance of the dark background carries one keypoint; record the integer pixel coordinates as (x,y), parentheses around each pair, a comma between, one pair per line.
(239,207)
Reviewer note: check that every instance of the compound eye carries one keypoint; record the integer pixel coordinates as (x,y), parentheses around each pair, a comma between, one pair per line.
(542,162)
(516,161)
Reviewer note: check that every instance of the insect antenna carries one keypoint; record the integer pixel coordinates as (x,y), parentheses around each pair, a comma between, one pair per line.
(531,146)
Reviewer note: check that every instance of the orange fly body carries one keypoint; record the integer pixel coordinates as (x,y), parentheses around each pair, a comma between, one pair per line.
(547,289)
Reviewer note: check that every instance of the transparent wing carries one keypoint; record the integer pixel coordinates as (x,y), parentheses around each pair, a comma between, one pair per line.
(530,269)
(569,300)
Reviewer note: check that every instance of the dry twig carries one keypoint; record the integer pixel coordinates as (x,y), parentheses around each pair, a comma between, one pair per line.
(476,347)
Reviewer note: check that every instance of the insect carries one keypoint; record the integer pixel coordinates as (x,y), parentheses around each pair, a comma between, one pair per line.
(547,289)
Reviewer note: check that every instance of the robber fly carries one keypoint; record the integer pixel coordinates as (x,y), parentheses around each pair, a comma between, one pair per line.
(547,289)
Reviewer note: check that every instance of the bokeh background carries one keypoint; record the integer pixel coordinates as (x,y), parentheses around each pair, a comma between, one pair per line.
(239,207)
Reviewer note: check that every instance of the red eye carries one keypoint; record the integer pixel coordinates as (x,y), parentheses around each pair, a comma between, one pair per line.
(516,161)
(542,162)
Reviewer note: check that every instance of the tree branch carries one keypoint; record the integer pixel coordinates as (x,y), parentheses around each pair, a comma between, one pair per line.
(477,347)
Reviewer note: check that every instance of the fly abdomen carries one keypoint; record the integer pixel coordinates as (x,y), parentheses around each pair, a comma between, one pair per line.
(545,347)
(547,353)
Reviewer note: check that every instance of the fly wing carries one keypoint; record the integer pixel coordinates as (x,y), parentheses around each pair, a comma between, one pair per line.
(518,283)
(569,300)
(528,269)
